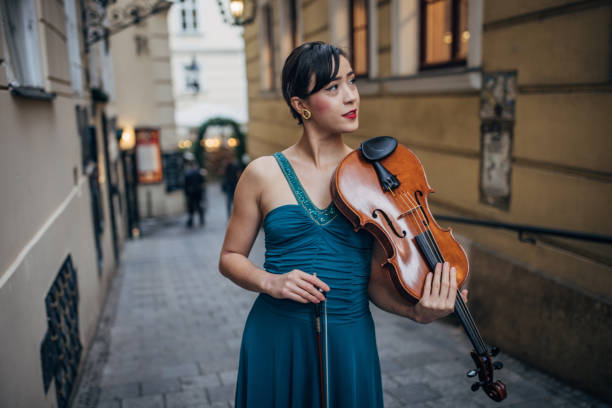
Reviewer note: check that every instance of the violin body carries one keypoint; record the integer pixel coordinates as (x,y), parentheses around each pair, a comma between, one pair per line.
(396,219)
(382,188)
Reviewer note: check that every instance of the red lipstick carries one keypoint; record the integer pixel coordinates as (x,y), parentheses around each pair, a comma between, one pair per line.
(351,114)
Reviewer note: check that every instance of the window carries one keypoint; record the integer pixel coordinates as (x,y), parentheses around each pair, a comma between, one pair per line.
(188,15)
(192,76)
(22,49)
(288,27)
(267,51)
(293,23)
(359,36)
(444,33)
(74,54)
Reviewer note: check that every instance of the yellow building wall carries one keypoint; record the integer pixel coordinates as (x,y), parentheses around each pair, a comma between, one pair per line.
(561,175)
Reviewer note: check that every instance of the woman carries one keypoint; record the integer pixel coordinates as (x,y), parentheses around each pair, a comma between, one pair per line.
(313,255)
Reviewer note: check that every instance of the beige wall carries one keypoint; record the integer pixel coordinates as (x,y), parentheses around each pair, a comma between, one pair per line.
(144,82)
(144,96)
(45,215)
(561,176)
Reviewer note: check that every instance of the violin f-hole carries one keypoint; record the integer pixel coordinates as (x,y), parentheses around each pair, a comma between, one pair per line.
(416,197)
(386,217)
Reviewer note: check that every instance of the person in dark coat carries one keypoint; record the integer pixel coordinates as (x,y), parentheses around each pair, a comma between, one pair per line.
(194,188)
(230,179)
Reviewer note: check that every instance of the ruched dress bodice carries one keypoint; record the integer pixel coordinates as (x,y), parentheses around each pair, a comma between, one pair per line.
(339,257)
(279,364)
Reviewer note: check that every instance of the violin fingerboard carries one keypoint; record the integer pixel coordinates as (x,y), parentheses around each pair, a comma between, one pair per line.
(429,249)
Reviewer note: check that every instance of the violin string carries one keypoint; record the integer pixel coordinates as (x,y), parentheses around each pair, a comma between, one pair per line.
(420,222)
(472,326)
(470,319)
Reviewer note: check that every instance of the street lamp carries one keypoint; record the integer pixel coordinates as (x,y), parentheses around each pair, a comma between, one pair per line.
(237,10)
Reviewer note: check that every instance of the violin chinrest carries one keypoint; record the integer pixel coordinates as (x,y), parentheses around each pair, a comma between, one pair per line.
(377,148)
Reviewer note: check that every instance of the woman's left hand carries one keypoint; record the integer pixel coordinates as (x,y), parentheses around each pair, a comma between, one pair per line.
(439,294)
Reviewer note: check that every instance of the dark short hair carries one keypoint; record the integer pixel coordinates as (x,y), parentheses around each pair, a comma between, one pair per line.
(318,58)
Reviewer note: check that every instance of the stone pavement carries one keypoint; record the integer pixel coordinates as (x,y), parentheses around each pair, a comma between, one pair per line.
(169,336)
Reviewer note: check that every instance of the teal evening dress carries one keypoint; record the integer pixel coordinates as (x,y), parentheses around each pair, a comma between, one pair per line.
(279,362)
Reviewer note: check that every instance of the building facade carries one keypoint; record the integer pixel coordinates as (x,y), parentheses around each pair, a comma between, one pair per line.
(62,211)
(208,67)
(146,111)
(506,105)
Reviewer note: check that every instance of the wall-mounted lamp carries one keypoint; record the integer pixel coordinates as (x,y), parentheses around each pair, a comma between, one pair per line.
(237,9)
(128,139)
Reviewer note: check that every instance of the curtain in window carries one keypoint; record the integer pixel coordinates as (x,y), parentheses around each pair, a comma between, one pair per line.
(23,50)
(360,36)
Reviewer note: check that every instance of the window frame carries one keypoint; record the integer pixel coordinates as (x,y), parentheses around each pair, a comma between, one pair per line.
(407,77)
(289,28)
(368,44)
(454,61)
(29,53)
(268,82)
(74,46)
(192,14)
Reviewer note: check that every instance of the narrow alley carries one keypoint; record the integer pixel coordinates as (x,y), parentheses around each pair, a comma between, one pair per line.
(170,336)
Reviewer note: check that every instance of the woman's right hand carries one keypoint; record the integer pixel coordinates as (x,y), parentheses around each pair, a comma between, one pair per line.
(297,285)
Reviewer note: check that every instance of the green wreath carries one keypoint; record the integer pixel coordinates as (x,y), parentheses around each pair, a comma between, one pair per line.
(200,153)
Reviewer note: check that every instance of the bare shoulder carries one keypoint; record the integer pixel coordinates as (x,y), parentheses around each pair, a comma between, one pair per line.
(260,166)
(259,170)
(258,174)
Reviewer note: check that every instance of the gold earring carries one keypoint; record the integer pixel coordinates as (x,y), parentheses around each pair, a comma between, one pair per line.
(306,114)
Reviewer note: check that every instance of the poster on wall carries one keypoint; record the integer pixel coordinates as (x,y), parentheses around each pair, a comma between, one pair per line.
(148,156)
(497,114)
(496,164)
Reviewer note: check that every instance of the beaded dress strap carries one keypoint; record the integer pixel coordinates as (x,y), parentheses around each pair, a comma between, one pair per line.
(320,216)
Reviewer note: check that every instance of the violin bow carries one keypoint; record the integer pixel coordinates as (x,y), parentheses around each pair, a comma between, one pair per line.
(322,377)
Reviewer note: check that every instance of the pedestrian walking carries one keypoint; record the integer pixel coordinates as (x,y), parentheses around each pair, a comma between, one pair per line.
(195,185)
(317,271)
(231,174)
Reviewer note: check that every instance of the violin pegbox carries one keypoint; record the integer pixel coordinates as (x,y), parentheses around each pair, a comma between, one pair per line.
(484,369)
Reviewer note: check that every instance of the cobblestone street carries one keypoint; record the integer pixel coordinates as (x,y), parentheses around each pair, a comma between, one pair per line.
(170,332)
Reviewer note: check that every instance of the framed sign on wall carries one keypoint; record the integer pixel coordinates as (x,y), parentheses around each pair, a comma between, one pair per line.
(148,156)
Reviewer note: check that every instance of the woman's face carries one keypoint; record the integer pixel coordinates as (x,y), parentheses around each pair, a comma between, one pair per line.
(335,108)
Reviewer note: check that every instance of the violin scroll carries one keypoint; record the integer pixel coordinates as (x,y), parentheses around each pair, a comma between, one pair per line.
(484,369)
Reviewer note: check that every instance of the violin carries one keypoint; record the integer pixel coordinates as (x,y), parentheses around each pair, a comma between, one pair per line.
(381,187)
